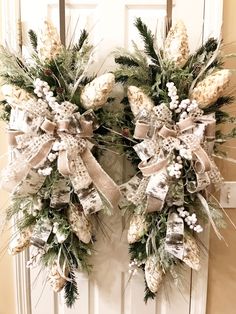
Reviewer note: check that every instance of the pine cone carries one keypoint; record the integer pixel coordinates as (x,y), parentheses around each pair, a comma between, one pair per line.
(139,100)
(80,224)
(15,95)
(95,93)
(191,252)
(21,242)
(49,44)
(153,273)
(137,228)
(176,47)
(55,279)
(211,88)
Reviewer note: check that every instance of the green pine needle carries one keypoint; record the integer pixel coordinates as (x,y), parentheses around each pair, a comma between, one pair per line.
(128,61)
(26,221)
(71,290)
(83,37)
(33,39)
(221,101)
(148,39)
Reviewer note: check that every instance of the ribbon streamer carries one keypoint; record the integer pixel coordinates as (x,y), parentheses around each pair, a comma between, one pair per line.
(175,236)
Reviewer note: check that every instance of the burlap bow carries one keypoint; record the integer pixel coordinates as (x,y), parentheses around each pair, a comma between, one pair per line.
(68,133)
(160,138)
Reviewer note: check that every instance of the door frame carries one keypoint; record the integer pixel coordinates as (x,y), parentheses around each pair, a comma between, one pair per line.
(11,26)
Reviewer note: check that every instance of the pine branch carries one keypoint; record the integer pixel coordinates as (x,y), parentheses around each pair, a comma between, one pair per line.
(148,39)
(137,250)
(119,78)
(33,39)
(83,36)
(16,80)
(221,101)
(49,257)
(221,116)
(128,61)
(26,221)
(201,57)
(71,290)
(209,46)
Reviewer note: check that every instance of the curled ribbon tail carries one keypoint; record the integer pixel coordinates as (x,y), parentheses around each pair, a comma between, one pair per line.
(105,185)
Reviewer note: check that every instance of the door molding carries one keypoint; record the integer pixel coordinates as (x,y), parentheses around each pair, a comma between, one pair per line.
(11,18)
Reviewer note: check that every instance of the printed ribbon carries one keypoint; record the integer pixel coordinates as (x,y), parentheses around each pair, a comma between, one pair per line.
(157,134)
(70,132)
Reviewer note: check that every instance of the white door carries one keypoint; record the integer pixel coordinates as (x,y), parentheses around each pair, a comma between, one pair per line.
(109,290)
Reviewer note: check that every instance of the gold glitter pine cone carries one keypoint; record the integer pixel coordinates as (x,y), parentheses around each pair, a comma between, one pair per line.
(137,228)
(211,88)
(138,100)
(49,43)
(20,242)
(153,273)
(95,94)
(176,48)
(80,225)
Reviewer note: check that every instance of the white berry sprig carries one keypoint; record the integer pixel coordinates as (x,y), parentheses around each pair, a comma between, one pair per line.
(185,152)
(174,170)
(191,220)
(42,90)
(185,108)
(172,93)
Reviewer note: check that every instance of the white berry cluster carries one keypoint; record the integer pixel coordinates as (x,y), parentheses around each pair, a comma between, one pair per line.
(185,152)
(42,90)
(172,93)
(59,146)
(52,156)
(191,220)
(174,169)
(45,171)
(185,107)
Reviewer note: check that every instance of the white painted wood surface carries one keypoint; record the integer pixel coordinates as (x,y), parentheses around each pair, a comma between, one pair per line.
(109,290)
